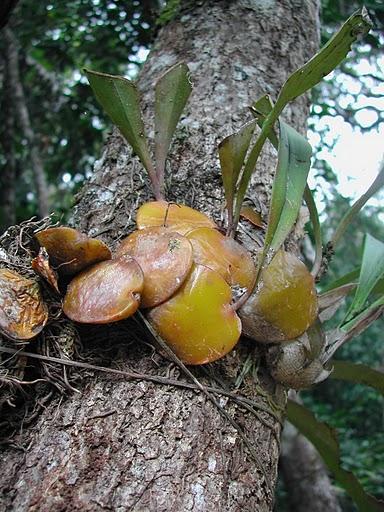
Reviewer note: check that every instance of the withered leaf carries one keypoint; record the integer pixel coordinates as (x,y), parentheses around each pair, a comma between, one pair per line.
(41,266)
(23,314)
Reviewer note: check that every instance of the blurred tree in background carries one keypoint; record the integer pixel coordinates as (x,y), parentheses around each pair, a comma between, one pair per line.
(54,41)
(46,46)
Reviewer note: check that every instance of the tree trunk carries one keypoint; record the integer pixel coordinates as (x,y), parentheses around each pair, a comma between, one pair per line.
(24,121)
(128,445)
(305,475)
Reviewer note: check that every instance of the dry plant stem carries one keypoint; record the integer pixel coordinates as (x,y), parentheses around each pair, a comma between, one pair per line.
(170,203)
(156,186)
(363,324)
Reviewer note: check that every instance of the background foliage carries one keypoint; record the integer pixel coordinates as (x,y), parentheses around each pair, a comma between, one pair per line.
(57,39)
(354,410)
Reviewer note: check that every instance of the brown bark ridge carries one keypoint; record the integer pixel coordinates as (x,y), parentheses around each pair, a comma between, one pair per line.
(123,445)
(305,475)
(24,121)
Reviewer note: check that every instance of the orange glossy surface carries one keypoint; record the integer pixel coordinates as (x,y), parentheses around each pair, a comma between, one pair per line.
(285,298)
(23,313)
(71,250)
(106,292)
(223,254)
(165,258)
(177,217)
(198,321)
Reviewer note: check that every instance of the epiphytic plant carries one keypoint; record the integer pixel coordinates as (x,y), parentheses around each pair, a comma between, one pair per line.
(200,289)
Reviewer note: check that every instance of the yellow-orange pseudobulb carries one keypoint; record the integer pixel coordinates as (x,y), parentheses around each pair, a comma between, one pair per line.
(71,250)
(223,254)
(284,304)
(165,258)
(198,322)
(106,292)
(177,217)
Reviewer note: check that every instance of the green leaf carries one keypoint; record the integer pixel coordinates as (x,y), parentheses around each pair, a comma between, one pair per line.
(287,191)
(350,277)
(298,83)
(172,91)
(359,374)
(378,288)
(232,151)
(357,206)
(261,109)
(372,270)
(120,99)
(326,60)
(294,160)
(324,439)
(363,320)
(279,188)
(314,217)
(262,106)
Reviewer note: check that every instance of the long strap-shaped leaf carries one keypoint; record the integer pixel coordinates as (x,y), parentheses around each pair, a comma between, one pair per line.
(279,188)
(315,221)
(232,151)
(294,161)
(359,374)
(260,109)
(301,81)
(372,270)
(350,277)
(362,320)
(289,184)
(120,99)
(172,91)
(329,57)
(324,438)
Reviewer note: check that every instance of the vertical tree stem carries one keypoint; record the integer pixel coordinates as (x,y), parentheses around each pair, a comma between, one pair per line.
(24,121)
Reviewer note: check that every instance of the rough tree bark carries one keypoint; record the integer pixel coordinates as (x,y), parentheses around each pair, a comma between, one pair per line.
(24,121)
(124,445)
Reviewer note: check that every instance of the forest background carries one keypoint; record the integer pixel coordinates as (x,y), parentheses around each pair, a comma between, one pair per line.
(48,152)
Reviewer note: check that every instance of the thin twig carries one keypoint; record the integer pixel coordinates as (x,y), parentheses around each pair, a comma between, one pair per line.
(157,379)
